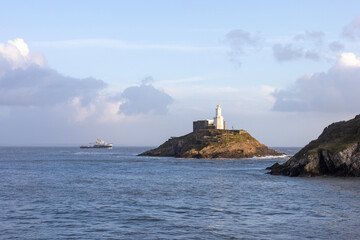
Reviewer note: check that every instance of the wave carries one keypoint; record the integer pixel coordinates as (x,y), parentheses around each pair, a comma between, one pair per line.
(94,153)
(273,156)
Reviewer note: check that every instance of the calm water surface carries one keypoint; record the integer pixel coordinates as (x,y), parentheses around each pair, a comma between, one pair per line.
(70,193)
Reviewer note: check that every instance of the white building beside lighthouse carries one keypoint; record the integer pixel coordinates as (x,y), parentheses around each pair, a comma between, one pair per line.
(217,122)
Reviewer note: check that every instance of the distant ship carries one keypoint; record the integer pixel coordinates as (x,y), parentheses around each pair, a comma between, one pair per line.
(99,144)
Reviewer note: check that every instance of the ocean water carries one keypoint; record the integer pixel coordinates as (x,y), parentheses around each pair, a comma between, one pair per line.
(72,193)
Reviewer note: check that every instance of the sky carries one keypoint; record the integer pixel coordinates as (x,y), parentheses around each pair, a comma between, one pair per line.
(136,73)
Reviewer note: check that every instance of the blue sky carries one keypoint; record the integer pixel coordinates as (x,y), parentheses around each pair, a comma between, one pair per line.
(283,70)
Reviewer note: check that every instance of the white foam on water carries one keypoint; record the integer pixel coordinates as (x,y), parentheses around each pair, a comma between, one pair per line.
(272,157)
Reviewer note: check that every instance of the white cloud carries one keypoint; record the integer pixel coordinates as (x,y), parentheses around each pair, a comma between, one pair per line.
(82,112)
(101,110)
(348,60)
(336,90)
(16,54)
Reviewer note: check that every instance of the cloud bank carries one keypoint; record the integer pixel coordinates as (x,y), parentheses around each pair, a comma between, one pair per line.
(336,90)
(144,99)
(26,80)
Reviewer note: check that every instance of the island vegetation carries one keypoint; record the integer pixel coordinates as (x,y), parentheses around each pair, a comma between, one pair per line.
(335,152)
(213,143)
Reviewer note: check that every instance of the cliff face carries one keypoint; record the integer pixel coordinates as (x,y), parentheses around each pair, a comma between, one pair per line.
(336,152)
(212,143)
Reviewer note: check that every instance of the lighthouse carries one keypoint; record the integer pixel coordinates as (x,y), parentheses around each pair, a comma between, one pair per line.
(218,119)
(217,122)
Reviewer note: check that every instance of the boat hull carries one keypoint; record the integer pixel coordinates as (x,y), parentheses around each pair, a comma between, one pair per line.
(99,144)
(108,147)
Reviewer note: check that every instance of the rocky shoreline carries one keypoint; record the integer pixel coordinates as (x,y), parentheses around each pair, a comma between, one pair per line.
(336,152)
(213,143)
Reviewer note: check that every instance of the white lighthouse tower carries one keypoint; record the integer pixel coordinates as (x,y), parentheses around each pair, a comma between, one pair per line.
(218,119)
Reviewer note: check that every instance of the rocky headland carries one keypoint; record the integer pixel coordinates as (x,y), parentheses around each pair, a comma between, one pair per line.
(213,143)
(336,152)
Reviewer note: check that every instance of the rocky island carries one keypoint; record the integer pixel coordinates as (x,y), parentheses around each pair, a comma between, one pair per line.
(210,139)
(213,143)
(336,152)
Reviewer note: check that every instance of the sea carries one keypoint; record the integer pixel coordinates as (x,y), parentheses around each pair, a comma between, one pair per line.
(73,193)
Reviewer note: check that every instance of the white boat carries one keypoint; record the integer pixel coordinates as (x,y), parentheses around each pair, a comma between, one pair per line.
(99,144)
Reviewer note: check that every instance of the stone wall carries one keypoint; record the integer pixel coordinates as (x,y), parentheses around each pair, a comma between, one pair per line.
(202,124)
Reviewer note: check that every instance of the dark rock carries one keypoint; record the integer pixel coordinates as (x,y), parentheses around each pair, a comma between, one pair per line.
(335,152)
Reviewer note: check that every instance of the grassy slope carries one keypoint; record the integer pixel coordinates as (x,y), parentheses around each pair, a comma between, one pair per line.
(212,143)
(335,138)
